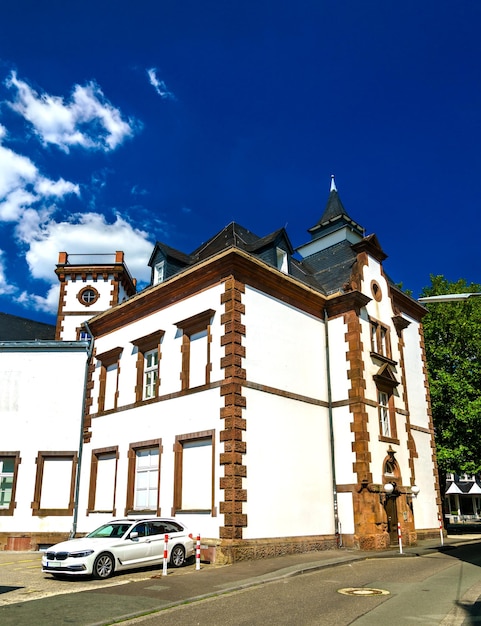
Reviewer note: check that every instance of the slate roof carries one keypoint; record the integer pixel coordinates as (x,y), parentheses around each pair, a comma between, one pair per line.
(236,235)
(463,487)
(170,252)
(328,270)
(331,268)
(13,328)
(334,217)
(334,208)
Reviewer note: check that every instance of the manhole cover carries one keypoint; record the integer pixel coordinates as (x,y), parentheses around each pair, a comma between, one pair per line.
(362,591)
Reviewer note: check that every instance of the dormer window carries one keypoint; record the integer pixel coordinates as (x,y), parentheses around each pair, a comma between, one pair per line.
(282,264)
(159,272)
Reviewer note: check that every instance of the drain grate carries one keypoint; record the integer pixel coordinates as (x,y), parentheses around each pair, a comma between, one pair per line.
(363,591)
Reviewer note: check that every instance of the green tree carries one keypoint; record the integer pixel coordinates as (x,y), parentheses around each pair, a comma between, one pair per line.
(452,332)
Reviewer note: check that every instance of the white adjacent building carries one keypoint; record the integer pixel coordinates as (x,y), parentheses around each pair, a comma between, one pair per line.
(273,400)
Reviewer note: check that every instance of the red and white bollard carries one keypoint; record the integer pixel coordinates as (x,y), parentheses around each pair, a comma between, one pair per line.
(399,534)
(166,551)
(441,530)
(197,553)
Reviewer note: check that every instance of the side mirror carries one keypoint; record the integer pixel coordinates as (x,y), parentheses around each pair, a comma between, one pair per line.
(134,535)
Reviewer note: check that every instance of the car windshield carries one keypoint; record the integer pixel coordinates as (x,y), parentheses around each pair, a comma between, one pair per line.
(110,530)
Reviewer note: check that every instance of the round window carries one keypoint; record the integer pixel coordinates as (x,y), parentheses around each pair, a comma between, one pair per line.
(88,295)
(376,291)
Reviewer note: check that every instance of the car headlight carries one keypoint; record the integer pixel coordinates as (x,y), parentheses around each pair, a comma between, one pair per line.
(81,554)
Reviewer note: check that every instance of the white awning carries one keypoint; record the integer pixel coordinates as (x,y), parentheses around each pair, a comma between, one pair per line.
(453,488)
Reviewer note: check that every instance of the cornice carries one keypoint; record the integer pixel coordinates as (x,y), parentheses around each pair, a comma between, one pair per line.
(117,271)
(371,245)
(109,357)
(400,323)
(406,304)
(149,341)
(213,271)
(351,300)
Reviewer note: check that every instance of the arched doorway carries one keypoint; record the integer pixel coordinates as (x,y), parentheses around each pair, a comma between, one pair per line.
(391,476)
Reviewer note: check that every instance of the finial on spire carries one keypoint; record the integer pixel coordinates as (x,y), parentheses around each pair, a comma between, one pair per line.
(333,183)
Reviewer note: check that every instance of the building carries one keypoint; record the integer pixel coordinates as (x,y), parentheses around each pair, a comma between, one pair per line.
(41,413)
(462,498)
(275,400)
(14,328)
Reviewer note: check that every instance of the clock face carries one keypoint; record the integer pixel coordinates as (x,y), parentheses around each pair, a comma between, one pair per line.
(87,296)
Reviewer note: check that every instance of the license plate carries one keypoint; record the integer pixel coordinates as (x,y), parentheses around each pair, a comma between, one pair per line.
(52,564)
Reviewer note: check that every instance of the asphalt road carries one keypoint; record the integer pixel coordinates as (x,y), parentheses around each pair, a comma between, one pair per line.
(432,585)
(21,579)
(439,588)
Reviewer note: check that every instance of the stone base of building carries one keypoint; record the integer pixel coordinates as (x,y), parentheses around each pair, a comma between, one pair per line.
(227,551)
(224,551)
(29,541)
(383,541)
(430,533)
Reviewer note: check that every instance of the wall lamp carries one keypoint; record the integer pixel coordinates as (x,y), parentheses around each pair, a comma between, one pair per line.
(411,495)
(415,490)
(388,490)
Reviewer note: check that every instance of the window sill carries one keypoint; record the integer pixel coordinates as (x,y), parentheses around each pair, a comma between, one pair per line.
(389,440)
(133,512)
(47,512)
(382,358)
(7,511)
(194,511)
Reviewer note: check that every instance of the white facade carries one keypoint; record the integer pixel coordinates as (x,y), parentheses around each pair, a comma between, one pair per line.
(263,413)
(41,409)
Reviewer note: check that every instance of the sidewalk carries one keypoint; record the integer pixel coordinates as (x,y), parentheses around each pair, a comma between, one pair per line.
(127,600)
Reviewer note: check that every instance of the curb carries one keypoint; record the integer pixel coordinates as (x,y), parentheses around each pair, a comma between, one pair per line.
(280,574)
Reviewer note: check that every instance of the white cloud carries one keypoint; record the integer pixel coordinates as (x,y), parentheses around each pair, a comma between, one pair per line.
(15,204)
(22,186)
(15,171)
(5,287)
(87,233)
(88,120)
(46,304)
(139,191)
(57,189)
(29,199)
(159,85)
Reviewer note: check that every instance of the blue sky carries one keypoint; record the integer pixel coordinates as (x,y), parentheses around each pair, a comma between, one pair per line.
(123,123)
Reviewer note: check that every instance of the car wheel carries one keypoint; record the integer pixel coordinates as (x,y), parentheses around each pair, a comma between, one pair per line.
(177,557)
(103,565)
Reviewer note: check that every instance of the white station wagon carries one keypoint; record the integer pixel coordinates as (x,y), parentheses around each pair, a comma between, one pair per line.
(119,545)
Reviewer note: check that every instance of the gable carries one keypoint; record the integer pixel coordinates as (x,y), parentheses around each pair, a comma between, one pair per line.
(385,377)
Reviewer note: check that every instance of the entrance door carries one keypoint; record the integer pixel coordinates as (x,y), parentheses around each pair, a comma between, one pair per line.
(391,511)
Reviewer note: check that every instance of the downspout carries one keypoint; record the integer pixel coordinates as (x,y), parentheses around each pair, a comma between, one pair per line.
(90,349)
(337,525)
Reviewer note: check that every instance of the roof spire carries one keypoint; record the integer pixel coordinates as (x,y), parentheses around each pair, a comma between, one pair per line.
(334,216)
